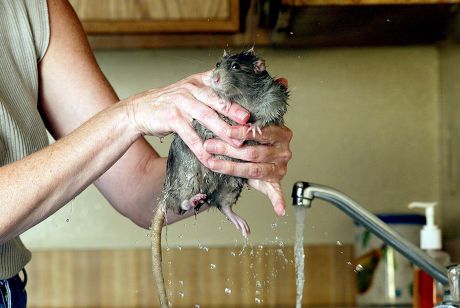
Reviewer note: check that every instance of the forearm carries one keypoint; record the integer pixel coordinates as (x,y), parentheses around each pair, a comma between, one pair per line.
(133,184)
(140,198)
(33,188)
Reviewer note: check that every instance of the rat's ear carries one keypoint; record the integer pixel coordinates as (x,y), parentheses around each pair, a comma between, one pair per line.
(259,66)
(250,51)
(225,53)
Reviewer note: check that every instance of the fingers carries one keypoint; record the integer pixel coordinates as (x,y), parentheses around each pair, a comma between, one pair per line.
(266,161)
(211,120)
(263,171)
(270,134)
(273,192)
(256,153)
(194,142)
(199,86)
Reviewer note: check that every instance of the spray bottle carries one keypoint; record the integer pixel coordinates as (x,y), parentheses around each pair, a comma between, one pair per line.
(428,292)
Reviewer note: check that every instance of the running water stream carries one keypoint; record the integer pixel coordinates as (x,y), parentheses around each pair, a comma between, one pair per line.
(299,254)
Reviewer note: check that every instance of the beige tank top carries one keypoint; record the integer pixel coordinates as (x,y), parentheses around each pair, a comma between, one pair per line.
(24,37)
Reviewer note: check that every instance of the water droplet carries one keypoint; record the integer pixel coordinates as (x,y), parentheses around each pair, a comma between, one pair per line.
(339,243)
(258,284)
(359,268)
(260,247)
(212,266)
(197,306)
(257,300)
(205,248)
(291,33)
(388,20)
(228,291)
(220,228)
(274,225)
(233,253)
(349,263)
(67,220)
(181,236)
(181,282)
(181,294)
(162,139)
(179,247)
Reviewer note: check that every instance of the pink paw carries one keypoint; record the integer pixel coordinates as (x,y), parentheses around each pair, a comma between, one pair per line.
(193,202)
(198,199)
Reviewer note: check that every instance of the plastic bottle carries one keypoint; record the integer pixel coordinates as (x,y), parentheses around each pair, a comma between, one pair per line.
(428,292)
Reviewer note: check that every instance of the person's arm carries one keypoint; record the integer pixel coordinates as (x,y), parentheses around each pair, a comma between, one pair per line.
(93,132)
(70,97)
(100,139)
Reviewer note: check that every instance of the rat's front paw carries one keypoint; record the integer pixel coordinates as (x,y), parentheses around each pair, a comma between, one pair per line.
(253,128)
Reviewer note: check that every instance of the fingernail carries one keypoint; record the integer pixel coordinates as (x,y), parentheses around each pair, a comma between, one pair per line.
(236,133)
(211,146)
(237,142)
(281,212)
(243,115)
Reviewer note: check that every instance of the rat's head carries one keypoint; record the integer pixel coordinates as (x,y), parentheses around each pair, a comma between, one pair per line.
(238,75)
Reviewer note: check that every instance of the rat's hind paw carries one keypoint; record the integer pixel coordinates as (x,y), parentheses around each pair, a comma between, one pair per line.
(193,202)
(239,222)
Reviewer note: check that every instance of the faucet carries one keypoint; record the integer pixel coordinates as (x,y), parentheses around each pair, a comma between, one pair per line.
(303,194)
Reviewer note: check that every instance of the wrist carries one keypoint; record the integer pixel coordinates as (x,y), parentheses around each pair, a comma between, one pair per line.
(123,123)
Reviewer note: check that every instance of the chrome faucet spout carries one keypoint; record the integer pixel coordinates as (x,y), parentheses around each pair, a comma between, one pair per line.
(303,194)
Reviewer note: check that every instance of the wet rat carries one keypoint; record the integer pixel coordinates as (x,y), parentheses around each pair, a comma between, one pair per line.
(240,78)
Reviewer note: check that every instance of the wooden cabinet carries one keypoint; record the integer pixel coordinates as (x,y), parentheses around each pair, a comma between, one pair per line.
(157,16)
(300,3)
(286,23)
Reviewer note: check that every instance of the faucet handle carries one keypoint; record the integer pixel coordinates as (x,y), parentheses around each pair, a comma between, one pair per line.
(452,295)
(453,273)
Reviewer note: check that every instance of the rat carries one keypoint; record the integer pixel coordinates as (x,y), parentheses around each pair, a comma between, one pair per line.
(240,78)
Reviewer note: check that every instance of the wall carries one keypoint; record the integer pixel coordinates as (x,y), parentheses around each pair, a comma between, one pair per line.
(450,139)
(365,121)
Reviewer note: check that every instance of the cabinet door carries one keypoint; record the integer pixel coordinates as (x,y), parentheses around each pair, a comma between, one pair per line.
(157,16)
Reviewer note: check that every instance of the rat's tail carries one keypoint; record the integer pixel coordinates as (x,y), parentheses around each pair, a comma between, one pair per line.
(157,225)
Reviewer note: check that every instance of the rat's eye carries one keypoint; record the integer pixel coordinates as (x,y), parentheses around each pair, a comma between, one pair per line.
(217,64)
(235,66)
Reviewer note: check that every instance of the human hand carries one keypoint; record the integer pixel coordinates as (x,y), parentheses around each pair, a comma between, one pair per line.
(159,112)
(266,164)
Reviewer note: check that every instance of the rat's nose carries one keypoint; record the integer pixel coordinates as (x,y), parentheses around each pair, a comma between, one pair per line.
(216,78)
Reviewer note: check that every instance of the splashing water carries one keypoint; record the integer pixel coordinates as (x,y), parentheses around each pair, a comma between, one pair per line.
(299,254)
